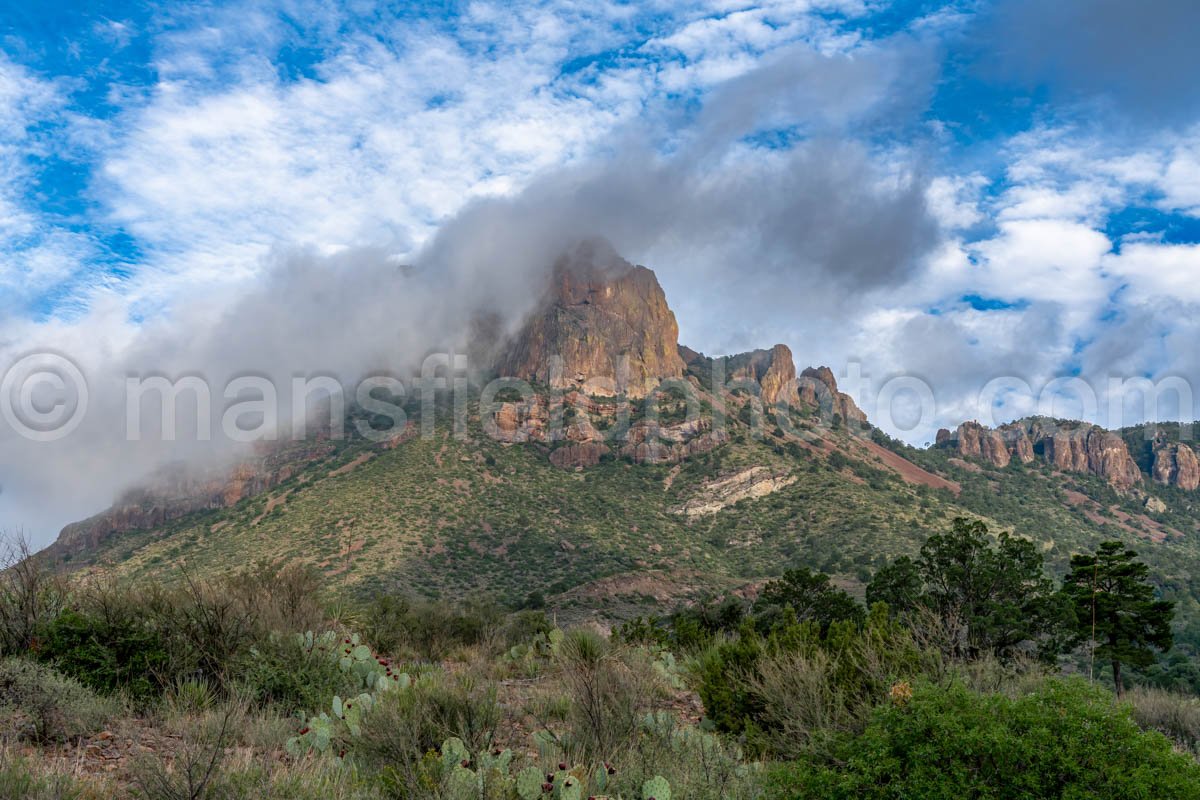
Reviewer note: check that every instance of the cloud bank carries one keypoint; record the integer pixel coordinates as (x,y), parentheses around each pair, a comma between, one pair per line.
(995,190)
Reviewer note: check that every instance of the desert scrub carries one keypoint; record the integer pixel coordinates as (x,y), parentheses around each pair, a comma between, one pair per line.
(43,705)
(610,687)
(404,726)
(282,671)
(1174,715)
(28,778)
(108,652)
(1066,739)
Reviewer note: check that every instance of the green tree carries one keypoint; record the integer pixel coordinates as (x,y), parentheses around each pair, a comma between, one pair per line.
(998,593)
(898,584)
(1115,609)
(810,597)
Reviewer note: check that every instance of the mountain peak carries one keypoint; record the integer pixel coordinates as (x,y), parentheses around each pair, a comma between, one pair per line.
(606,319)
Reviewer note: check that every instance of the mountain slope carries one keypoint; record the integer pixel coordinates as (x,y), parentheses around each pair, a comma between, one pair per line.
(579,494)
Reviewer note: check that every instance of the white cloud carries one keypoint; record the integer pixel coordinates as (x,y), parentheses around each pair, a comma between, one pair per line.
(1158,270)
(36,255)
(1045,259)
(835,246)
(1181,182)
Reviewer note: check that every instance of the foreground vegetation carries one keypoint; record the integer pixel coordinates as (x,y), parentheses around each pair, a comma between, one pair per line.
(264,684)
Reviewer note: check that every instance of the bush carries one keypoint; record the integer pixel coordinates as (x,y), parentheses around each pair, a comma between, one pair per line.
(406,725)
(392,624)
(697,764)
(108,651)
(283,598)
(1174,715)
(207,627)
(798,688)
(30,596)
(609,689)
(1065,740)
(43,705)
(804,710)
(25,779)
(196,769)
(722,673)
(279,671)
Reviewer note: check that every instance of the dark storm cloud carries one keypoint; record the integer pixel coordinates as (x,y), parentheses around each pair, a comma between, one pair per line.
(835,213)
(1142,56)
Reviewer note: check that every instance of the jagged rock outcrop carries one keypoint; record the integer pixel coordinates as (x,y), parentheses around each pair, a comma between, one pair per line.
(604,326)
(1176,464)
(1019,443)
(1093,450)
(650,443)
(591,430)
(1069,446)
(723,492)
(998,447)
(773,371)
(773,374)
(810,389)
(579,454)
(977,441)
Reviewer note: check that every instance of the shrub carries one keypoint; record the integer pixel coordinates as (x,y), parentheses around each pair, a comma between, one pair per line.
(25,779)
(804,710)
(697,764)
(30,596)
(196,769)
(280,671)
(1066,740)
(1174,715)
(404,726)
(609,688)
(46,706)
(108,651)
(392,624)
(796,690)
(723,672)
(283,598)
(207,628)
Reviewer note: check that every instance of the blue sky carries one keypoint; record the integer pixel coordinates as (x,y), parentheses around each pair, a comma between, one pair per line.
(953,190)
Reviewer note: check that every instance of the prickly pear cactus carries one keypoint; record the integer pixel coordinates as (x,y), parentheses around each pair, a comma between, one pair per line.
(656,788)
(374,675)
(600,778)
(529,783)
(497,761)
(454,754)
(316,734)
(570,788)
(461,784)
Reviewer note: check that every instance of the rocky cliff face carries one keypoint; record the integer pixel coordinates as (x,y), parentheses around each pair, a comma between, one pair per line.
(1093,450)
(976,441)
(177,492)
(592,431)
(810,389)
(773,372)
(1070,447)
(609,323)
(1176,464)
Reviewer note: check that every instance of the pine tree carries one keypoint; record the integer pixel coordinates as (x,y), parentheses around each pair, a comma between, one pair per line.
(1115,609)
(996,588)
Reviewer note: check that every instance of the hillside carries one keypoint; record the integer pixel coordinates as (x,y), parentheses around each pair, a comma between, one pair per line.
(540,496)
